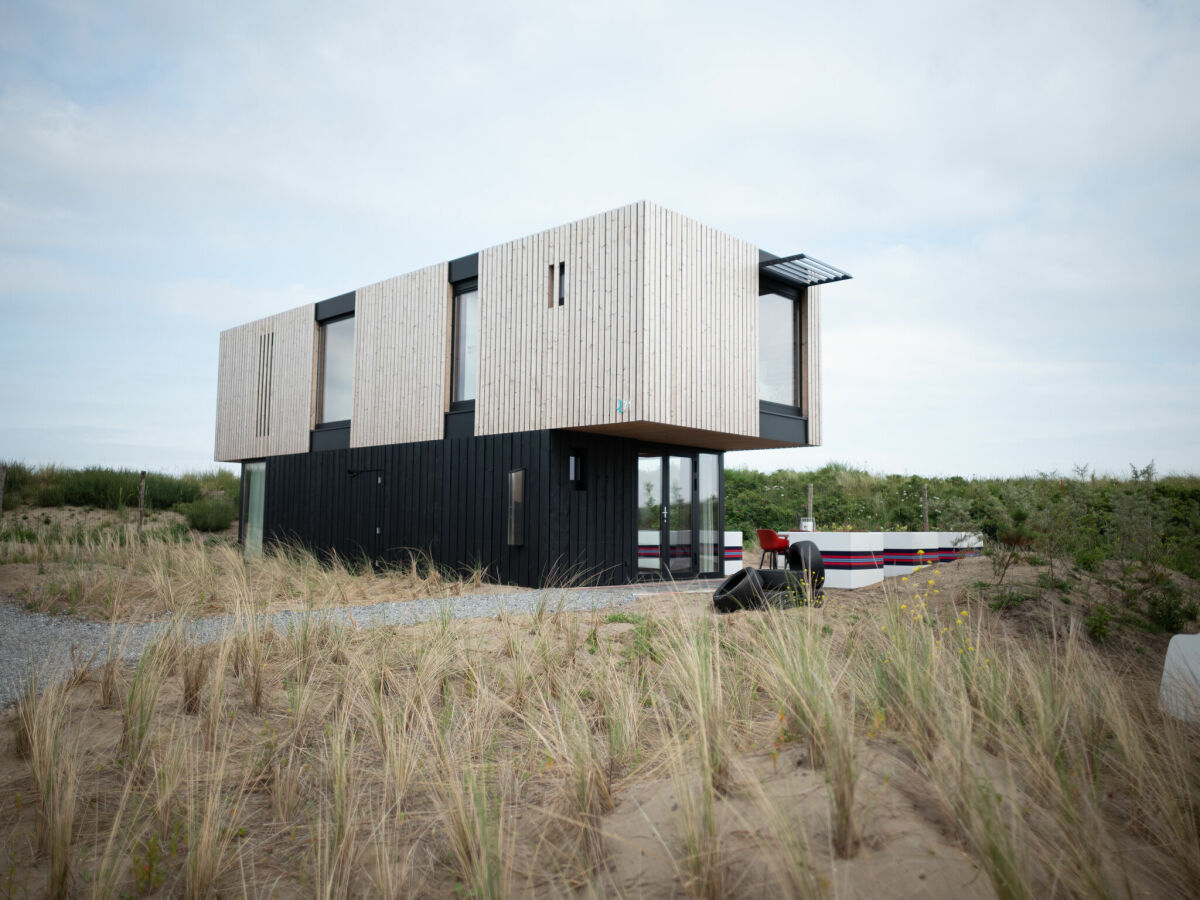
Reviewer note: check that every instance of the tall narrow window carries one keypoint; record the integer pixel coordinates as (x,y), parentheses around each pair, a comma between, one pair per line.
(562,283)
(516,507)
(778,324)
(254,488)
(712,547)
(336,398)
(465,364)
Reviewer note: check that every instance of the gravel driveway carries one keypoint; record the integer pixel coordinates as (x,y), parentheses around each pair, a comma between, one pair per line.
(29,639)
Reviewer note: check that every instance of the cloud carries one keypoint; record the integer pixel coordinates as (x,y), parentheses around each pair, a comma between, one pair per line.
(1015,188)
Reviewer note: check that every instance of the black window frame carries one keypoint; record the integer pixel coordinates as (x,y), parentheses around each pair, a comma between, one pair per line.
(460,287)
(769,285)
(318,425)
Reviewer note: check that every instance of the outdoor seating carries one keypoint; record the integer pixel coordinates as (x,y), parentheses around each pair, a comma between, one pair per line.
(772,544)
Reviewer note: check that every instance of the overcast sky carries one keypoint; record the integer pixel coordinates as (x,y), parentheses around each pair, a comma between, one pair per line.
(1015,188)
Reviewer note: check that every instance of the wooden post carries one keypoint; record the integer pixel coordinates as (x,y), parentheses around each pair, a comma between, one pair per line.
(141,501)
(925,504)
(810,500)
(3,475)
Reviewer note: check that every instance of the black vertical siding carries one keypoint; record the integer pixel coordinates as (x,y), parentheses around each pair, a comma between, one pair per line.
(448,499)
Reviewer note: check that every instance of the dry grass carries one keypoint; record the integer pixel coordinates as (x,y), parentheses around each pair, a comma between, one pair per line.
(108,575)
(913,747)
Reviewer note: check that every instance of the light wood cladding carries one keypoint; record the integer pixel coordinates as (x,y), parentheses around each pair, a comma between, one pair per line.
(659,324)
(401,363)
(274,391)
(700,312)
(812,369)
(656,337)
(545,365)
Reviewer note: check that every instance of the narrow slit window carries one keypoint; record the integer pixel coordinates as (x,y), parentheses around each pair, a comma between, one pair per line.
(516,508)
(550,286)
(562,283)
(577,469)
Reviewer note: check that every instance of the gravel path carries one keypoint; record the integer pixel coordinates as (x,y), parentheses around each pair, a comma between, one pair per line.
(29,639)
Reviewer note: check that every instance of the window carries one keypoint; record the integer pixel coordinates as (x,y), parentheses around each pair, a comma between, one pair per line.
(464,380)
(336,376)
(778,356)
(577,468)
(516,508)
(254,488)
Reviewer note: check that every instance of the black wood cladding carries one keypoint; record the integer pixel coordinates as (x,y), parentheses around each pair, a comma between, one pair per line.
(448,499)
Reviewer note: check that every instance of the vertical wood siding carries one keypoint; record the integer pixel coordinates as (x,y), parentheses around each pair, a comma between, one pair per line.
(265,385)
(812,375)
(401,365)
(448,499)
(700,319)
(550,366)
(660,314)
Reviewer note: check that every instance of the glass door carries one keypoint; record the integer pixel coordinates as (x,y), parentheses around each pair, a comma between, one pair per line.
(666,513)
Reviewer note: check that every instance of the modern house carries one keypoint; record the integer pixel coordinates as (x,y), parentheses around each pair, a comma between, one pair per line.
(555,406)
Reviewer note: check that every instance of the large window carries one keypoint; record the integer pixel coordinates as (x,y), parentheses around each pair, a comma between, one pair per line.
(465,364)
(778,353)
(336,396)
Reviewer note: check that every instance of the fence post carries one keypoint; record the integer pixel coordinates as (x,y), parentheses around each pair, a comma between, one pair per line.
(810,500)
(3,475)
(141,501)
(925,505)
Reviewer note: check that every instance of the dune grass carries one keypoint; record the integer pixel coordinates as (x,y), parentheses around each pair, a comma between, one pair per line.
(517,757)
(109,575)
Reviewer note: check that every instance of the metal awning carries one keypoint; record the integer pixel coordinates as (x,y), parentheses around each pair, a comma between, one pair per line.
(802,270)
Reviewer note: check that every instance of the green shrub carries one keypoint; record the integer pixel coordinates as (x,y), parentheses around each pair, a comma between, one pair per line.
(1098,623)
(1169,611)
(210,513)
(51,495)
(116,488)
(1047,582)
(1089,560)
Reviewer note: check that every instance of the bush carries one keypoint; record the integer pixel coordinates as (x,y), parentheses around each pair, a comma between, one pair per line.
(1169,611)
(51,495)
(210,513)
(1089,560)
(1097,623)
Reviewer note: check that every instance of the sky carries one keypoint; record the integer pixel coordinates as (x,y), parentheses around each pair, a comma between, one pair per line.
(1015,188)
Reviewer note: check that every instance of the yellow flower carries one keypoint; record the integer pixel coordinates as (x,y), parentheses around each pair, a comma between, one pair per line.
(937,571)
(963,613)
(883,628)
(920,553)
(916,596)
(931,581)
(904,578)
(960,650)
(945,629)
(904,606)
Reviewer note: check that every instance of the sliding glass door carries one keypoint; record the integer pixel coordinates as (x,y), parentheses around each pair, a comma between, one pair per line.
(677,515)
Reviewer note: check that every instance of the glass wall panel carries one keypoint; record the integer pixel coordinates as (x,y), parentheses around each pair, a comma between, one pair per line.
(649,514)
(254,489)
(465,379)
(712,550)
(337,371)
(777,349)
(680,517)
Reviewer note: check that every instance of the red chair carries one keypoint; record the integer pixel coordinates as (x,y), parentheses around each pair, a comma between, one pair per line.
(771,543)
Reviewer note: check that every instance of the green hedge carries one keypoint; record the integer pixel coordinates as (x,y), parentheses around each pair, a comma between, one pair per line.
(1083,517)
